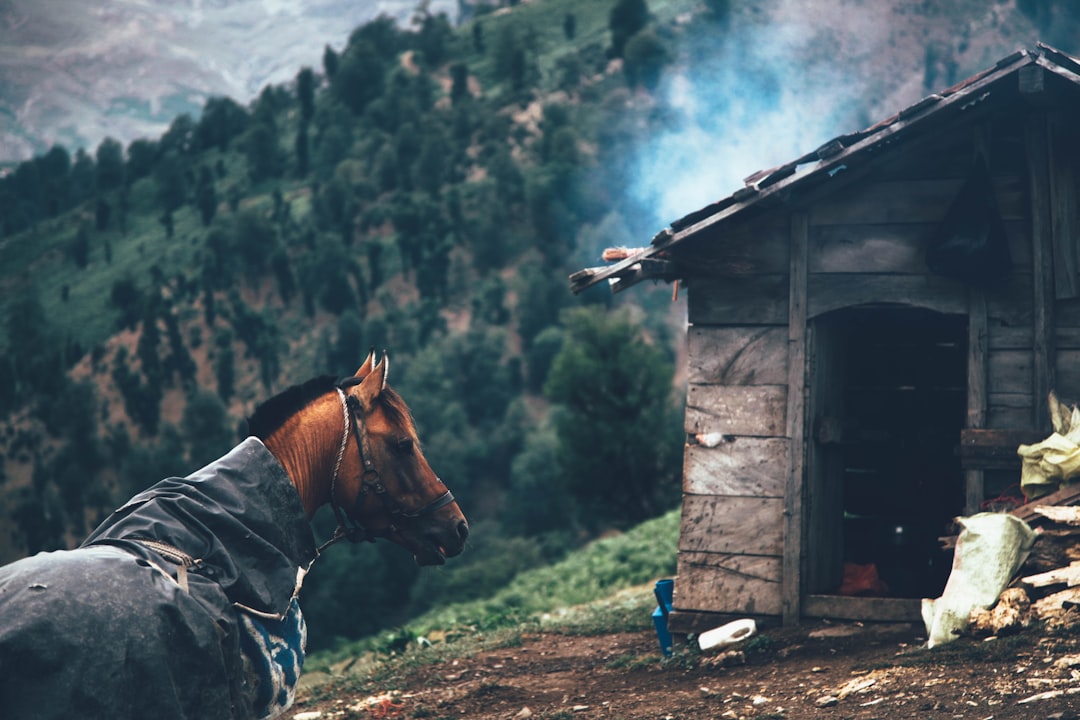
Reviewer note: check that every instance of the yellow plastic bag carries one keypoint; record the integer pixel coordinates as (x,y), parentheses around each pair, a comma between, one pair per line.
(1047,465)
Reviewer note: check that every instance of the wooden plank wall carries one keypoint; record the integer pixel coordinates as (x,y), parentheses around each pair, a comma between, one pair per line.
(732,537)
(865,244)
(1065,227)
(869,245)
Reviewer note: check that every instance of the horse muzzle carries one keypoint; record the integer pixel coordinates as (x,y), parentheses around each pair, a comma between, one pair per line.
(432,545)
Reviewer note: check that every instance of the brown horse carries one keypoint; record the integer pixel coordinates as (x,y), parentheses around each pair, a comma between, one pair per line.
(183,603)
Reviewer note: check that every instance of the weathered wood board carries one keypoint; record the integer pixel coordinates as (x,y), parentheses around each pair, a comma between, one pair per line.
(752,467)
(893,248)
(1063,220)
(755,355)
(1010,410)
(1008,337)
(863,608)
(1067,370)
(741,300)
(758,248)
(794,488)
(758,410)
(910,201)
(994,449)
(1067,313)
(744,525)
(741,584)
(1009,371)
(1011,305)
(1066,338)
(833,291)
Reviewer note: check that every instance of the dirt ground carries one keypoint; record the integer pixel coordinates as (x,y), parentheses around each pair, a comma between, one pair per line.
(836,671)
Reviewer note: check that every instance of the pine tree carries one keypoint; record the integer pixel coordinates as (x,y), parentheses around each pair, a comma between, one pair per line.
(620,436)
(627,18)
(305,94)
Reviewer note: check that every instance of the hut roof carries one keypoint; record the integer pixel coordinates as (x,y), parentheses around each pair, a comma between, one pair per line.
(968,100)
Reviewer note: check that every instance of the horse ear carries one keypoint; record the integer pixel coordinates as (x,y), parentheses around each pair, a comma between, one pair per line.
(373,383)
(368,365)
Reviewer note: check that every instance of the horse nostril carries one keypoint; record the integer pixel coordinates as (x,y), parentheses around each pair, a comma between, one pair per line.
(463,530)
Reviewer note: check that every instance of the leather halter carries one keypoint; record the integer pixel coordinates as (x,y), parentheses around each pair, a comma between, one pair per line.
(370,481)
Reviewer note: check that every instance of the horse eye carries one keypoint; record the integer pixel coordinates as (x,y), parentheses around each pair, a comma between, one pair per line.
(404,445)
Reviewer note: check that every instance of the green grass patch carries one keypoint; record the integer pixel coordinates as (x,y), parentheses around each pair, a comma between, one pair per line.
(605,586)
(590,575)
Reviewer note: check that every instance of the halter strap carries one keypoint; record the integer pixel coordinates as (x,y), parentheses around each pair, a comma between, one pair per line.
(370,481)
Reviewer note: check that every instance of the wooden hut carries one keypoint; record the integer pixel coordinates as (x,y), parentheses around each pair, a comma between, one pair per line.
(873,329)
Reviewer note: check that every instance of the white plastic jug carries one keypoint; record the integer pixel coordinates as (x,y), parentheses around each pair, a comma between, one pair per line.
(729,634)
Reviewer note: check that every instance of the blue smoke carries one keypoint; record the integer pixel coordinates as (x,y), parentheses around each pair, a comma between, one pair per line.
(739,101)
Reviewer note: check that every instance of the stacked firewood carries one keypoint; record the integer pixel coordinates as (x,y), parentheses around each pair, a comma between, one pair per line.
(1047,586)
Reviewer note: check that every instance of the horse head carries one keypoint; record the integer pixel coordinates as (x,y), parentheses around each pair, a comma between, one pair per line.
(384,482)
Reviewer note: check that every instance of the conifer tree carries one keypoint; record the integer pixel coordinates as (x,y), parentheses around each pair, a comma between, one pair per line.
(627,18)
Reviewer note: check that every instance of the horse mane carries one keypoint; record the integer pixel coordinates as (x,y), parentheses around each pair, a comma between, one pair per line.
(272,414)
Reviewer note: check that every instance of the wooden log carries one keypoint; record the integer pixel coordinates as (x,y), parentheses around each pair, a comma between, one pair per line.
(754,410)
(740,355)
(1053,549)
(1049,606)
(728,583)
(1068,495)
(752,467)
(732,525)
(1066,515)
(1069,576)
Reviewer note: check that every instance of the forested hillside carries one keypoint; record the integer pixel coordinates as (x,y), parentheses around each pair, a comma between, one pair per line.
(426,190)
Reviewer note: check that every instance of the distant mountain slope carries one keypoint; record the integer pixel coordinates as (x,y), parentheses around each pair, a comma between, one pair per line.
(76,71)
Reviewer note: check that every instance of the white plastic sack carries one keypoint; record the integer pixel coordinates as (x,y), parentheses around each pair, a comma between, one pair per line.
(989,551)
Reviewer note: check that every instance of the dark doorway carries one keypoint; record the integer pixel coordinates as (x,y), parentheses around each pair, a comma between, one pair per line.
(888,399)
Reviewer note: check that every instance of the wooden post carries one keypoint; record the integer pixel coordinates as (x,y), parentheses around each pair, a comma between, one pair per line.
(1063,220)
(976,390)
(792,566)
(1037,149)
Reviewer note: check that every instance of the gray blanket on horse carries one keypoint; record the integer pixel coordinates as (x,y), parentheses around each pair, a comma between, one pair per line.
(116,630)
